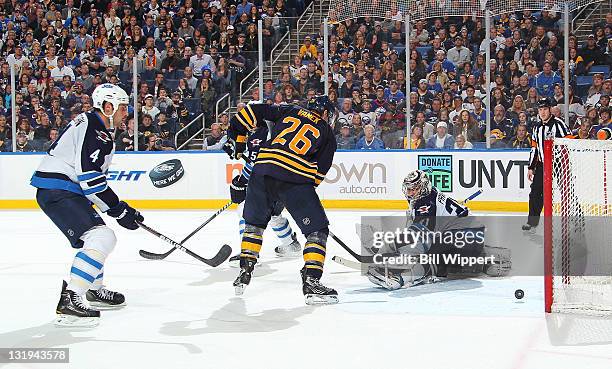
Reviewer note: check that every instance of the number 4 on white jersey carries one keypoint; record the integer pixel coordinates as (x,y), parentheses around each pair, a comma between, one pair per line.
(94,156)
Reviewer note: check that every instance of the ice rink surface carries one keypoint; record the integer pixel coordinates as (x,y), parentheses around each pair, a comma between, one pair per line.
(183,314)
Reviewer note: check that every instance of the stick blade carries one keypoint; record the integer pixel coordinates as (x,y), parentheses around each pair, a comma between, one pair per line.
(348,263)
(223,254)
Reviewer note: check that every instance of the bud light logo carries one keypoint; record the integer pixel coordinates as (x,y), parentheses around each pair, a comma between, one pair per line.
(124,175)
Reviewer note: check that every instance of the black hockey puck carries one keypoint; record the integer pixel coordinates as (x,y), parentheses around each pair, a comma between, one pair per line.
(167,173)
(519,294)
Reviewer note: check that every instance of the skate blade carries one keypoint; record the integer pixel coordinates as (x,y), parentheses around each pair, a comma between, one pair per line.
(63,320)
(103,306)
(239,289)
(320,300)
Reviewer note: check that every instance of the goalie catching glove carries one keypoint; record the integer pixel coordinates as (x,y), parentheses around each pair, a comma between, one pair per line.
(126,216)
(238,189)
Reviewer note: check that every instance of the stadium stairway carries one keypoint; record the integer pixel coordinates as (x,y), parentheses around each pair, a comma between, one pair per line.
(582,24)
(283,53)
(286,48)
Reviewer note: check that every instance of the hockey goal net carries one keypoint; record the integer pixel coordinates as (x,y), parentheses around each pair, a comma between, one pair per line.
(578,226)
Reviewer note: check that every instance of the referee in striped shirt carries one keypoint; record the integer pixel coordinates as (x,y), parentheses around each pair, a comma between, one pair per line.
(548,126)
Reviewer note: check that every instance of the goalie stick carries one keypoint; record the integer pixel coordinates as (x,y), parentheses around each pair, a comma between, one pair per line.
(347,263)
(368,259)
(472,197)
(155,256)
(221,256)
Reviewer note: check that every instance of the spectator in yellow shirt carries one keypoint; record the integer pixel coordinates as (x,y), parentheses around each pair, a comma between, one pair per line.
(308,50)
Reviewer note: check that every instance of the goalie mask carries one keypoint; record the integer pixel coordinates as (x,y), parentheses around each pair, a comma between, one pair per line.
(416,185)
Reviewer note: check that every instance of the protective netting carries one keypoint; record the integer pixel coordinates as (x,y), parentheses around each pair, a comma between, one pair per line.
(555,7)
(582,226)
(341,10)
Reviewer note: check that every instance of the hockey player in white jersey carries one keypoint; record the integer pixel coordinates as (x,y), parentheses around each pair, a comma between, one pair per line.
(70,179)
(434,214)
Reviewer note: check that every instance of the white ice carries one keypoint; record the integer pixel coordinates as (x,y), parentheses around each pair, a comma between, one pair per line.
(183,314)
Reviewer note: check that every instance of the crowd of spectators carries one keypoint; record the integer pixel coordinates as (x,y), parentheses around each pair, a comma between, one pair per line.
(447,77)
(189,53)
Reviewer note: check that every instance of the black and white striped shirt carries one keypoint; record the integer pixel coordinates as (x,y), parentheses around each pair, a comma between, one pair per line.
(555,127)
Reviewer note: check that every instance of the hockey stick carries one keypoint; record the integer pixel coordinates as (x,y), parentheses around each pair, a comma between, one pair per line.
(360,258)
(347,263)
(221,256)
(367,259)
(472,197)
(154,256)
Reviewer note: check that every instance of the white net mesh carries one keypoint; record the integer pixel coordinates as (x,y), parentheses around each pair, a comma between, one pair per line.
(582,226)
(555,6)
(341,10)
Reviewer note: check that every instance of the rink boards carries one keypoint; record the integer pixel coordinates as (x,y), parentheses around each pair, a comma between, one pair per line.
(357,179)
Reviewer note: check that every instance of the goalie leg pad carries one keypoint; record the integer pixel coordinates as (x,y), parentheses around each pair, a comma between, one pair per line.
(385,279)
(502,263)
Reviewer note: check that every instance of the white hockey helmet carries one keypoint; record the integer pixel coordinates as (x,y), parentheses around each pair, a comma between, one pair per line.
(418,180)
(107,92)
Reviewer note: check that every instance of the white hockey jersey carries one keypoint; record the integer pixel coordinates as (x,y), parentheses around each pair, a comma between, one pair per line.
(78,161)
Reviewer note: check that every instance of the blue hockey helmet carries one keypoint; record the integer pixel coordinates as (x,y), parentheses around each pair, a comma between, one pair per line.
(320,104)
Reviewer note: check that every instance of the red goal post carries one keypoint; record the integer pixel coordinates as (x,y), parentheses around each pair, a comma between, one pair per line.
(577,226)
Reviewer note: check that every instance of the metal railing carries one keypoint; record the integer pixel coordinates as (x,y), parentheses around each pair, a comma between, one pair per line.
(588,17)
(227,97)
(201,130)
(287,36)
(222,98)
(245,79)
(176,135)
(300,25)
(305,22)
(281,53)
(298,29)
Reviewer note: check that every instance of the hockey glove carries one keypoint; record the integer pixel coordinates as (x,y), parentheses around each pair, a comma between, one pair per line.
(234,149)
(238,189)
(126,215)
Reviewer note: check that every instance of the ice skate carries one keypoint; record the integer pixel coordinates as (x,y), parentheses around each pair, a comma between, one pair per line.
(316,293)
(244,277)
(528,228)
(105,299)
(72,312)
(290,250)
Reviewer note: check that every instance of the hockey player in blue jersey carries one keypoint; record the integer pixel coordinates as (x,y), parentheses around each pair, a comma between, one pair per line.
(289,247)
(432,212)
(288,168)
(70,179)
